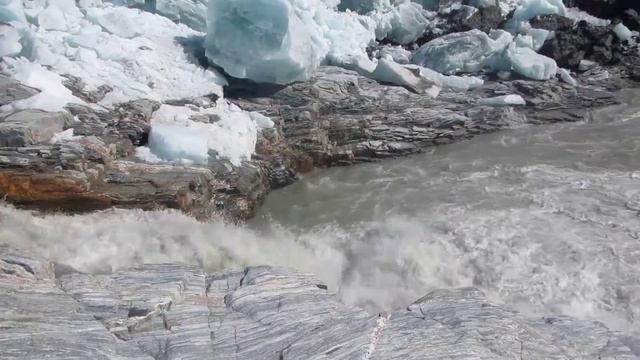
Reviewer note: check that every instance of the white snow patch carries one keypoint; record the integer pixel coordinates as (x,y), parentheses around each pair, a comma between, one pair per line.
(53,95)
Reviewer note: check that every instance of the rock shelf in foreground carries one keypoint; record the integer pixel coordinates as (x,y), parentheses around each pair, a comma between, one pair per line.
(181,312)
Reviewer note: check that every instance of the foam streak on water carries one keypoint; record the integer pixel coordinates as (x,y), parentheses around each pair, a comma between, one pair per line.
(545,219)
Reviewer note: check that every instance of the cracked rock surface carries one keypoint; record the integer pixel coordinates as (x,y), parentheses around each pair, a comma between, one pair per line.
(180,312)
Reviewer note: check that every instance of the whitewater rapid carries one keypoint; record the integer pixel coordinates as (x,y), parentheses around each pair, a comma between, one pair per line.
(545,219)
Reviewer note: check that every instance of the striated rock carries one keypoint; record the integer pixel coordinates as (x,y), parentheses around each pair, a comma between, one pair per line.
(341,118)
(11,90)
(552,22)
(28,127)
(181,312)
(336,118)
(584,41)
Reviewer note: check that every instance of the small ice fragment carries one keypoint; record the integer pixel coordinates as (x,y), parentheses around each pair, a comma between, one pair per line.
(505,100)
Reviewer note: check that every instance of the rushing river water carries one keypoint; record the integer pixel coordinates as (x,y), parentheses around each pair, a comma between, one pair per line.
(545,219)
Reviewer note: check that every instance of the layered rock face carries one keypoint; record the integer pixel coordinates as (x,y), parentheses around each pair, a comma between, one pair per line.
(336,118)
(180,312)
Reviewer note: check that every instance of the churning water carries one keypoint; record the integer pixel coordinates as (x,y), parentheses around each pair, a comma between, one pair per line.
(545,219)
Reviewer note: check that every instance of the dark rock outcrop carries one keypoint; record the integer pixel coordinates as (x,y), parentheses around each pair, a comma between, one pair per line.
(181,312)
(584,41)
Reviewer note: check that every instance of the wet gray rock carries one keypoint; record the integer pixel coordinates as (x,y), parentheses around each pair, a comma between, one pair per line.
(29,127)
(181,312)
(11,90)
(341,118)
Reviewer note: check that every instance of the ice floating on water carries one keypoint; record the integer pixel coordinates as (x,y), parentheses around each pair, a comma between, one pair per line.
(506,100)
(622,32)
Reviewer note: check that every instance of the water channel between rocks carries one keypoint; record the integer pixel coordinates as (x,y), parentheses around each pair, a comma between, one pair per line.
(545,219)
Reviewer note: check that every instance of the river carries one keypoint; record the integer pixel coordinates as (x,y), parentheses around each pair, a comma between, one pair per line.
(545,219)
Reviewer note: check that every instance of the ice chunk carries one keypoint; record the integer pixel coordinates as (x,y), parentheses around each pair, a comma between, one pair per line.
(461,83)
(234,136)
(397,53)
(9,40)
(116,20)
(192,13)
(622,32)
(505,100)
(586,65)
(481,4)
(66,135)
(402,23)
(53,95)
(394,73)
(176,143)
(565,75)
(52,18)
(524,41)
(528,63)
(539,36)
(532,8)
(529,9)
(268,41)
(11,10)
(504,75)
(469,51)
(578,15)
(263,122)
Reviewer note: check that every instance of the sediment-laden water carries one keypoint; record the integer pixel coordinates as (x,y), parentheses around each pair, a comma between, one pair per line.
(545,219)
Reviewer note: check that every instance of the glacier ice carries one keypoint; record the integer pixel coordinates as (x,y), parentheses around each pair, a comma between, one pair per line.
(192,13)
(565,75)
(53,95)
(586,65)
(464,52)
(11,10)
(402,23)
(504,100)
(281,41)
(268,41)
(263,122)
(532,8)
(397,53)
(115,20)
(233,136)
(622,32)
(460,83)
(151,65)
(176,143)
(529,9)
(9,40)
(391,72)
(528,63)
